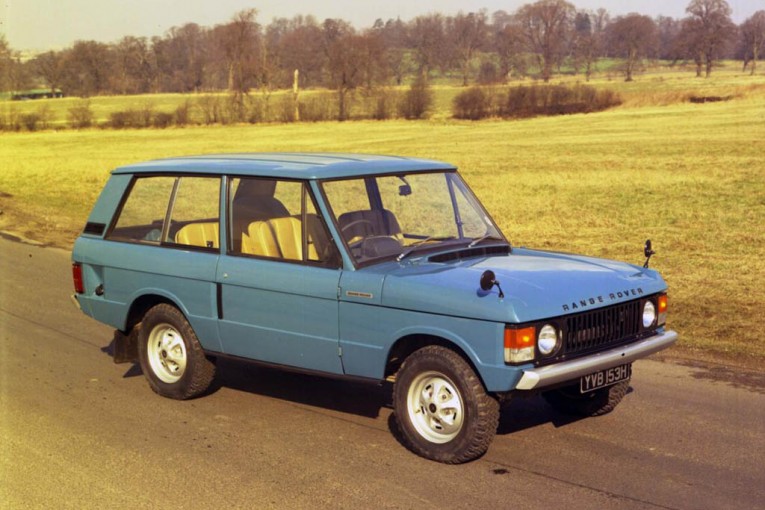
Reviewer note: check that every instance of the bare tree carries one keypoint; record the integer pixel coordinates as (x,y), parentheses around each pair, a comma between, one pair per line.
(632,37)
(48,66)
(545,25)
(14,75)
(468,33)
(686,44)
(394,34)
(239,44)
(272,71)
(88,66)
(668,29)
(753,39)
(508,42)
(429,42)
(344,54)
(183,60)
(711,29)
(6,63)
(191,43)
(374,58)
(586,41)
(133,69)
(302,49)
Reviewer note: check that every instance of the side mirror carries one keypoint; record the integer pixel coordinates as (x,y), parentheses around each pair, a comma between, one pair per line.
(489,280)
(648,251)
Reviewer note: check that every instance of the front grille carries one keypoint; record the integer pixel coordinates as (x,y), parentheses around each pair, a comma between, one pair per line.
(598,329)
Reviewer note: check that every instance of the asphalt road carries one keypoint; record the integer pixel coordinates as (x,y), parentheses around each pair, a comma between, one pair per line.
(77,431)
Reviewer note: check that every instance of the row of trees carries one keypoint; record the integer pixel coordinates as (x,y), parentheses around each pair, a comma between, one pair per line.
(540,39)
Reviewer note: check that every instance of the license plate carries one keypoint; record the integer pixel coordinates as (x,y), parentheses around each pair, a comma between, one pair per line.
(603,378)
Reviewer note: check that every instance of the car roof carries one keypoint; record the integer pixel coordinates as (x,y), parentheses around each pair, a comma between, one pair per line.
(286,165)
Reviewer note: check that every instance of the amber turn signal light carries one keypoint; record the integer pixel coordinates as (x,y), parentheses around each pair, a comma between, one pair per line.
(663,303)
(519,344)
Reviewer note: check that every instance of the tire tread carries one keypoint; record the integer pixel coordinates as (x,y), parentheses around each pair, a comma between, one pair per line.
(487,419)
(200,370)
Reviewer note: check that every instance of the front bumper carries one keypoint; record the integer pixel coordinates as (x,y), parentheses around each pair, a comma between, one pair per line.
(550,375)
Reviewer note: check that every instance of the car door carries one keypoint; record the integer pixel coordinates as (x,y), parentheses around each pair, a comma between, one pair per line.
(278,280)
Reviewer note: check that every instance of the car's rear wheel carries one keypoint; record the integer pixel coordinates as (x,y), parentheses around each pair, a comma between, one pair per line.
(442,410)
(569,400)
(171,356)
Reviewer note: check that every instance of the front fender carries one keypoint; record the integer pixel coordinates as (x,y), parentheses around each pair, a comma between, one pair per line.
(369,333)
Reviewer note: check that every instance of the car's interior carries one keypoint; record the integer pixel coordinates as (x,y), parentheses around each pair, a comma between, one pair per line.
(373,233)
(263,226)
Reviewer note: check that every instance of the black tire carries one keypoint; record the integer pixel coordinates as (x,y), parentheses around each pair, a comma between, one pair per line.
(171,356)
(441,408)
(569,400)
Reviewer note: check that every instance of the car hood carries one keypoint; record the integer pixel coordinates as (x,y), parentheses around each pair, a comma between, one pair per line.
(536,285)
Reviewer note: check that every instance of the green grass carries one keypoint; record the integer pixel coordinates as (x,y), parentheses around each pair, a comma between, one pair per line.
(690,177)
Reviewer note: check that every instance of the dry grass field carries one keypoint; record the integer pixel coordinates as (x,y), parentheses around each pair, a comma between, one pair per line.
(689,176)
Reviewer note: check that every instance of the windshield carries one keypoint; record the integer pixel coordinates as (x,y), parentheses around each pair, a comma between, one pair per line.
(394,216)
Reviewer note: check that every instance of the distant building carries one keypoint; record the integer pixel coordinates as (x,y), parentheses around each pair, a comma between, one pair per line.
(36,94)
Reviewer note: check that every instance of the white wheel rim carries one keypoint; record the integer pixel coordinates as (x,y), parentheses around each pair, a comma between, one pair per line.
(435,407)
(167,353)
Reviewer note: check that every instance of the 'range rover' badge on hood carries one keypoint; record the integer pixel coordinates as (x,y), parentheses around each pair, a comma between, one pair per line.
(612,296)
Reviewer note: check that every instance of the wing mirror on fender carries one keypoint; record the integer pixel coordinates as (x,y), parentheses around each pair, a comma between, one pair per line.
(489,280)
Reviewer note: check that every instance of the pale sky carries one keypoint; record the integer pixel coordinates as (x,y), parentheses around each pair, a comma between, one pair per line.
(55,24)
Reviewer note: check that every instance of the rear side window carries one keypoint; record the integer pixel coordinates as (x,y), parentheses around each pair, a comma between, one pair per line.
(171,210)
(143,214)
(194,213)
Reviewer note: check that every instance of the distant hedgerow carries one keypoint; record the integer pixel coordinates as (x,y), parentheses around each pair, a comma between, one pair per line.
(529,101)
(81,115)
(182,114)
(417,102)
(472,104)
(557,100)
(135,118)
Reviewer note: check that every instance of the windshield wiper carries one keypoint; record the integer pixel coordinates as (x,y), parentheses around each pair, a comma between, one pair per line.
(413,247)
(483,238)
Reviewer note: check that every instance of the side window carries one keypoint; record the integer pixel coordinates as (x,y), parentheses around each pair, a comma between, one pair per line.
(193,204)
(277,219)
(194,214)
(143,213)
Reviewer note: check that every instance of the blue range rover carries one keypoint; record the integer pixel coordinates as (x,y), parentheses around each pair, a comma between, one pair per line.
(359,266)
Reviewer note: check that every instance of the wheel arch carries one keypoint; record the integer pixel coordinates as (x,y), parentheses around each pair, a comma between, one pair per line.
(410,343)
(143,303)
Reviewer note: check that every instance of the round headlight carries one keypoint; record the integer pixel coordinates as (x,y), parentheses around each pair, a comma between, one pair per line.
(649,314)
(547,341)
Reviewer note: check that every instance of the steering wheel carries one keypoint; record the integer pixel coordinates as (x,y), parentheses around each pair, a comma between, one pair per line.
(355,241)
(356,222)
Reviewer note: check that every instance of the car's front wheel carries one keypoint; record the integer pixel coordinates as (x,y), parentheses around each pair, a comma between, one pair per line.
(442,410)
(171,356)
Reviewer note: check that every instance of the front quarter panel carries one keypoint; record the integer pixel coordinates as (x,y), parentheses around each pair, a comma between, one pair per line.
(368,334)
